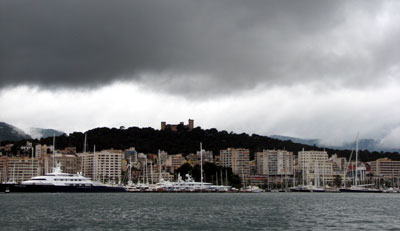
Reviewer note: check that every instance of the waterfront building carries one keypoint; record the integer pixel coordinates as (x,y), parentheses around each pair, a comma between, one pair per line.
(315,167)
(70,163)
(68,151)
(22,168)
(237,159)
(3,169)
(104,166)
(40,150)
(163,156)
(193,159)
(339,164)
(385,168)
(174,161)
(108,165)
(207,156)
(361,171)
(275,162)
(87,164)
(131,155)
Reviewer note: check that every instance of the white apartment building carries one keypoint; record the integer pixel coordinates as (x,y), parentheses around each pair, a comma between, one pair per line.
(173,162)
(70,163)
(385,168)
(315,166)
(22,168)
(237,159)
(275,162)
(339,164)
(40,150)
(104,166)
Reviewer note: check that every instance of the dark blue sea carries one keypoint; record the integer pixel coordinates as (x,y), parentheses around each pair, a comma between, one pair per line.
(199,211)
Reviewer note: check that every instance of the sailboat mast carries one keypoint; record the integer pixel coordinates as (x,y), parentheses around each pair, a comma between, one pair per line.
(201,164)
(54,150)
(159,166)
(220,171)
(216,177)
(303,167)
(130,170)
(147,177)
(355,179)
(226,177)
(13,176)
(294,171)
(323,173)
(95,160)
(32,160)
(151,172)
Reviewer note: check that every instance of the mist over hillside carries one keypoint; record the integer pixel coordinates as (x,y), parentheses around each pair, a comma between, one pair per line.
(37,133)
(364,144)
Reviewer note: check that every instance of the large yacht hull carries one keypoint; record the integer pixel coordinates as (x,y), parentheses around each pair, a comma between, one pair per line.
(62,189)
(349,190)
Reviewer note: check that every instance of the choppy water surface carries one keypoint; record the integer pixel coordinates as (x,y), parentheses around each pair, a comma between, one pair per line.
(200,211)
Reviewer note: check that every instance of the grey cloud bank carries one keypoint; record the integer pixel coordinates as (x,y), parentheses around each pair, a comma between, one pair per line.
(308,69)
(175,45)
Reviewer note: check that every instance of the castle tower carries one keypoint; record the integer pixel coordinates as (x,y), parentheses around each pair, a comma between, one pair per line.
(191,124)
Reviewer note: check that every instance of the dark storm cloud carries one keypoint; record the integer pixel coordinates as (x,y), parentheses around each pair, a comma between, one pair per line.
(175,45)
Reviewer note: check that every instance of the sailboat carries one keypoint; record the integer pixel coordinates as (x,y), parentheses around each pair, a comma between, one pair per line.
(303,187)
(356,188)
(315,187)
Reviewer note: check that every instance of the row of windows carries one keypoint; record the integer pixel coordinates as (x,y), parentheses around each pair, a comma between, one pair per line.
(68,179)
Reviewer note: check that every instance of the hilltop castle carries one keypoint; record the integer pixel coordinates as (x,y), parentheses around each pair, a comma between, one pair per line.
(174,127)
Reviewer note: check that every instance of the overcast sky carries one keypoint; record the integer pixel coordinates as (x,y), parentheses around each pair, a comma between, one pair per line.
(309,69)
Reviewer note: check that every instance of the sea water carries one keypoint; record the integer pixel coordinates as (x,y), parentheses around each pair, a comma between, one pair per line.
(199,211)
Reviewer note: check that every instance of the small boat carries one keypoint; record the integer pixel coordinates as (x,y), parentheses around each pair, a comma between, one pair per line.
(253,189)
(300,188)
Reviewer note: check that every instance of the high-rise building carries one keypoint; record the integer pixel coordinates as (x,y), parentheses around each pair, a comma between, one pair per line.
(174,161)
(275,162)
(315,166)
(70,163)
(339,164)
(237,159)
(22,168)
(385,168)
(40,150)
(104,166)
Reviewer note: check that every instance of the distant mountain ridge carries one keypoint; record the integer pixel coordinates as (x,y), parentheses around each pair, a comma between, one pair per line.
(364,144)
(9,132)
